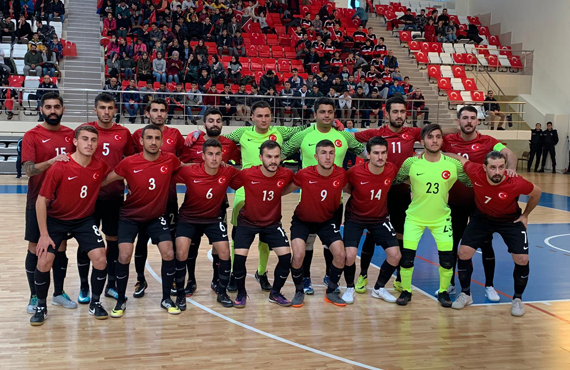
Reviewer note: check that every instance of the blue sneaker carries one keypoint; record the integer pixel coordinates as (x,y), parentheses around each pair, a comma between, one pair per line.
(326,283)
(84,296)
(307,286)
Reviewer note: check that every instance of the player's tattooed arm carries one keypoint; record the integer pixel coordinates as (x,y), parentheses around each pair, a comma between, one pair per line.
(33,169)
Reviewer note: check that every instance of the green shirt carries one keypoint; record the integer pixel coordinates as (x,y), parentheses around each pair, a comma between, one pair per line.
(430,184)
(250,141)
(307,140)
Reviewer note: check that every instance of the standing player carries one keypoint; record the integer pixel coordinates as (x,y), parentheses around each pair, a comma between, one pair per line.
(42,146)
(203,213)
(473,146)
(148,176)
(65,206)
(431,177)
(261,214)
(316,213)
(366,209)
(496,197)
(115,142)
(172,142)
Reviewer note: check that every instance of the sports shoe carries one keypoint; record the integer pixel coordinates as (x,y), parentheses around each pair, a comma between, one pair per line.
(181,302)
(170,306)
(383,294)
(140,287)
(213,285)
(83,296)
(326,283)
(225,300)
(232,287)
(279,299)
(491,294)
(308,286)
(173,289)
(444,299)
(240,300)
(361,284)
(397,286)
(517,309)
(404,298)
(31,309)
(96,309)
(63,300)
(461,301)
(119,309)
(348,296)
(450,290)
(111,293)
(298,300)
(263,281)
(335,299)
(40,315)
(190,289)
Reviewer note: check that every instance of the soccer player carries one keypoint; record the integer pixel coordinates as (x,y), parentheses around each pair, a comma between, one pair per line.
(305,141)
(65,205)
(431,176)
(473,146)
(316,212)
(203,213)
(366,209)
(497,211)
(115,142)
(172,142)
(42,146)
(261,214)
(149,176)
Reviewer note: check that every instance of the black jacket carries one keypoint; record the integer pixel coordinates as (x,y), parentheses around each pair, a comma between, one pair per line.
(535,139)
(549,138)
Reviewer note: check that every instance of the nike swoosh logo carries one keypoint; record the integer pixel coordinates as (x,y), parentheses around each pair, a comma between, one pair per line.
(249,139)
(283,277)
(167,274)
(452,144)
(419,174)
(336,231)
(199,152)
(313,182)
(165,228)
(137,171)
(362,183)
(71,178)
(524,277)
(103,278)
(525,248)
(99,240)
(45,141)
(197,181)
(476,184)
(224,235)
(312,144)
(255,182)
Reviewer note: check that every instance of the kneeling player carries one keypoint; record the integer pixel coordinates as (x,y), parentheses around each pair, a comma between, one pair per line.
(261,214)
(65,206)
(366,209)
(496,199)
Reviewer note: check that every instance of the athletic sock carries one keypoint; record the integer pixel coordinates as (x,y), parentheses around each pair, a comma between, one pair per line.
(224,269)
(41,279)
(398,273)
(180,276)
(216,267)
(307,263)
(386,271)
(297,276)
(191,262)
(520,275)
(328,260)
(464,272)
(31,262)
(59,271)
(334,277)
(444,278)
(98,278)
(141,254)
(83,262)
(366,254)
(112,256)
(239,272)
(167,273)
(122,276)
(488,263)
(406,276)
(349,272)
(263,249)
(281,272)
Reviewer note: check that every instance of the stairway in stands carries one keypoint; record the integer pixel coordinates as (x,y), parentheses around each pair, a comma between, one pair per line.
(85,71)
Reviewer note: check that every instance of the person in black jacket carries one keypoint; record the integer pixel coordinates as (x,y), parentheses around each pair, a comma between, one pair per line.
(493,110)
(549,141)
(374,106)
(535,143)
(227,104)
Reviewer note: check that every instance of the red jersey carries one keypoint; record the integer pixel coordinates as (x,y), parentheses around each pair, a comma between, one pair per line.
(263,195)
(367,202)
(475,151)
(72,189)
(205,193)
(320,195)
(114,144)
(147,183)
(499,202)
(400,144)
(40,145)
(193,154)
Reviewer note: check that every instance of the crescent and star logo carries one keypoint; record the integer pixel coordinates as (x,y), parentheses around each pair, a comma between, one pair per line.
(272,137)
(164,169)
(503,195)
(475,147)
(96,175)
(222,180)
(118,137)
(446,175)
(67,139)
(338,143)
(387,182)
(336,184)
(280,183)
(169,141)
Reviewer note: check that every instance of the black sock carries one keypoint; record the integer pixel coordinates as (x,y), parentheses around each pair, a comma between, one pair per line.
(464,272)
(167,273)
(122,276)
(216,268)
(297,276)
(225,267)
(240,272)
(98,278)
(180,276)
(334,277)
(488,263)
(83,262)
(520,275)
(281,272)
(349,272)
(112,256)
(59,271)
(401,245)
(366,254)
(41,280)
(384,275)
(31,262)
(307,263)
(141,253)
(328,260)
(455,258)
(191,263)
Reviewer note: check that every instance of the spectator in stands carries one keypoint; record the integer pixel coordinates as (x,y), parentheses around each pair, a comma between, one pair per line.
(201,49)
(306,21)
(217,70)
(159,68)
(359,103)
(219,27)
(493,110)
(41,7)
(234,70)
(421,20)
(224,42)
(127,66)
(8,98)
(365,87)
(408,89)
(313,95)
(243,110)
(113,85)
(351,83)
(396,75)
(114,65)
(33,61)
(45,31)
(418,106)
(146,96)
(450,30)
(110,24)
(345,105)
(23,30)
(7,28)
(440,32)
(227,104)
(360,61)
(238,45)
(177,100)
(49,62)
(444,17)
(473,34)
(317,23)
(362,15)
(535,144)
(233,27)
(325,83)
(549,141)
(27,6)
(268,81)
(45,86)
(434,15)
(209,100)
(174,66)
(304,104)
(194,100)
(374,106)
(132,98)
(390,62)
(295,80)
(57,47)
(204,80)
(262,22)
(136,15)
(287,103)
(139,49)
(396,90)
(162,92)
(174,46)
(56,9)
(303,46)
(338,85)
(409,21)
(429,31)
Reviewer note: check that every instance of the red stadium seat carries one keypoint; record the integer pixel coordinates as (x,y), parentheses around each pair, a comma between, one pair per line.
(474,20)
(458,58)
(434,72)
(494,40)
(405,37)
(413,46)
(272,40)
(469,84)
(258,75)
(516,63)
(251,51)
(493,61)
(477,96)
(454,97)
(470,60)
(256,64)
(263,51)
(257,39)
(424,46)
(290,55)
(16,81)
(435,47)
(284,65)
(459,72)
(484,31)
(443,85)
(269,63)
(505,50)
(421,58)
(277,52)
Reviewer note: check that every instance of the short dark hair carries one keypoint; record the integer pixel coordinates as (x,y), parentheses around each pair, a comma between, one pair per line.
(105,98)
(494,155)
(394,100)
(467,108)
(260,104)
(323,101)
(211,112)
(150,127)
(87,128)
(376,140)
(211,143)
(156,101)
(548,123)
(268,144)
(326,143)
(428,129)
(51,96)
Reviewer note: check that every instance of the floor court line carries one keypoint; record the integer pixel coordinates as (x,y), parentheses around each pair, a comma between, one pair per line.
(547,242)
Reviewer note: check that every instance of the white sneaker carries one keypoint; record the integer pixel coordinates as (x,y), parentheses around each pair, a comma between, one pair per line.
(461,301)
(518,307)
(491,294)
(450,290)
(383,294)
(348,295)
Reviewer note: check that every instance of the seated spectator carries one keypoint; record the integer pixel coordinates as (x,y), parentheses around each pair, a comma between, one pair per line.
(174,46)
(396,90)
(233,27)
(396,75)
(224,42)
(114,65)
(365,87)
(33,61)
(110,25)
(23,30)
(345,73)
(144,68)
(351,84)
(8,98)
(408,89)
(238,45)
(338,85)
(303,46)
(345,105)
(57,9)
(45,86)
(57,47)
(174,66)
(429,31)
(127,66)
(204,80)
(359,103)
(324,83)
(409,21)
(209,100)
(139,49)
(132,98)
(49,62)
(217,70)
(268,81)
(242,101)
(493,110)
(159,68)
(194,100)
(296,81)
(146,96)
(162,92)
(270,99)
(421,20)
(45,31)
(374,106)
(380,49)
(7,28)
(440,32)
(191,70)
(444,17)
(227,104)
(360,61)
(262,22)
(287,104)
(234,70)
(418,106)
(136,15)
(390,62)
(306,21)
(450,31)
(177,100)
(317,23)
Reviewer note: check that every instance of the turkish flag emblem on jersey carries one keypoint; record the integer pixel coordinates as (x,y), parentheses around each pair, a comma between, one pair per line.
(272,137)
(338,143)
(336,184)
(96,175)
(221,180)
(387,181)
(445,175)
(503,195)
(280,183)
(67,139)
(169,141)
(475,147)
(164,169)
(405,136)
(118,137)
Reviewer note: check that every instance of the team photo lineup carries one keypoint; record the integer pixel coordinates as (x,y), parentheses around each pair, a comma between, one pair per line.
(116,194)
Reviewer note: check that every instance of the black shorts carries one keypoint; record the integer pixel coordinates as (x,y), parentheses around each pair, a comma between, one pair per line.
(157,229)
(216,232)
(328,231)
(107,215)
(84,230)
(32,234)
(274,236)
(480,230)
(382,232)
(398,202)
(171,215)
